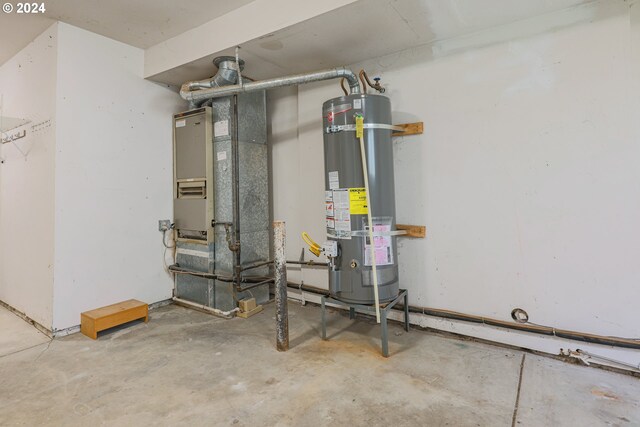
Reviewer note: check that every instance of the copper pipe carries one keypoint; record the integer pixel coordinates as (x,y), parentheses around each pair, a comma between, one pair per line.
(523,327)
(364,85)
(344,89)
(377,86)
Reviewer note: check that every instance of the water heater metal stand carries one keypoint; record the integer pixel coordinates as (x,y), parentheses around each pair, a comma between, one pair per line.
(370,309)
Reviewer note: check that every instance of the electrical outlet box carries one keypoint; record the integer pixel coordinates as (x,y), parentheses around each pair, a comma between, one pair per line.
(164,224)
(330,248)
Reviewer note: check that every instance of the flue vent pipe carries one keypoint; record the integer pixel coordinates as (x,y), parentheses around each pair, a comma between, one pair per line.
(198,92)
(228,72)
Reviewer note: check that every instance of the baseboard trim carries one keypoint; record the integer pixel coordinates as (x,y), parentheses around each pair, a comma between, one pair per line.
(159,304)
(70,330)
(27,319)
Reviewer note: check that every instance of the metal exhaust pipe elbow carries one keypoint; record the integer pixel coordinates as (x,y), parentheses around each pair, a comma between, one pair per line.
(352,80)
(228,72)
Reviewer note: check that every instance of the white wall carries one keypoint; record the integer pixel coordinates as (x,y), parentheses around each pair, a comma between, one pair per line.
(28,89)
(113,176)
(526,178)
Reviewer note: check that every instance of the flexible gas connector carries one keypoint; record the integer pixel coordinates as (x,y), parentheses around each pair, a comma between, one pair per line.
(314,248)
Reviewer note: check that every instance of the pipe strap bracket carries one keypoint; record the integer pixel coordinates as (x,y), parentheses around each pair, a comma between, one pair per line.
(352,128)
(365,233)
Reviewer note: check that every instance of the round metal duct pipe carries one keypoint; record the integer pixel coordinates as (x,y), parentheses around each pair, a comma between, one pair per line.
(224,83)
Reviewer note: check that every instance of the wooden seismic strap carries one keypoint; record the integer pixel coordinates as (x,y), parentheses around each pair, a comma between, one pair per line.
(418,231)
(409,129)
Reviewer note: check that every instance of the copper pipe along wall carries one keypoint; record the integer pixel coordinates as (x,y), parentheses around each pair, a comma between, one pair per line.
(523,327)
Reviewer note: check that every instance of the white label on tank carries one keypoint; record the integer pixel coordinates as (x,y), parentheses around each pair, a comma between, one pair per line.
(382,247)
(181,123)
(342,216)
(334,180)
(357,104)
(222,155)
(329,211)
(343,227)
(221,128)
(328,196)
(331,223)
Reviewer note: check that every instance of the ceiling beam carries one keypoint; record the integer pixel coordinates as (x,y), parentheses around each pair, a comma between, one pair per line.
(256,19)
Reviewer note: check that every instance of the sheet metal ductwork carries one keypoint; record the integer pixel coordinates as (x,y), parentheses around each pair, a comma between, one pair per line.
(221,194)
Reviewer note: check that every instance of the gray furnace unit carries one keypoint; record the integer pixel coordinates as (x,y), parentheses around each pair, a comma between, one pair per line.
(221,202)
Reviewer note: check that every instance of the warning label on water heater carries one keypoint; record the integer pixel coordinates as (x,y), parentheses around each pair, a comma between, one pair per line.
(329,208)
(334,180)
(340,204)
(338,214)
(382,244)
(358,201)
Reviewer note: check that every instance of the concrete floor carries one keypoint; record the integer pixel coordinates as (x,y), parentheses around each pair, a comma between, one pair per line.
(189,368)
(16,334)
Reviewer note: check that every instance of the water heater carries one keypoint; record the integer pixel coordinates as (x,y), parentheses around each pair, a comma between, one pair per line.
(346,208)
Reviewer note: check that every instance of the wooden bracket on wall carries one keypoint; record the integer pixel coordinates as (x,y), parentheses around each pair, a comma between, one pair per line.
(418,231)
(409,129)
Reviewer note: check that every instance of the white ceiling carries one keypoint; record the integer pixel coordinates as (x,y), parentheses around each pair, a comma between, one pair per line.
(353,33)
(18,31)
(140,23)
(368,29)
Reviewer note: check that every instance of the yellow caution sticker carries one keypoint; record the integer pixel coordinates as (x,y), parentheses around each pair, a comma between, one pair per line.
(358,201)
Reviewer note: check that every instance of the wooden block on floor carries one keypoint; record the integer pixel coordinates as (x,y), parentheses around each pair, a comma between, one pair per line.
(94,321)
(247,314)
(247,304)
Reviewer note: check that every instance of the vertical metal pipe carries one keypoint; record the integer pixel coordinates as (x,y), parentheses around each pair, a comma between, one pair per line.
(235,154)
(282,315)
